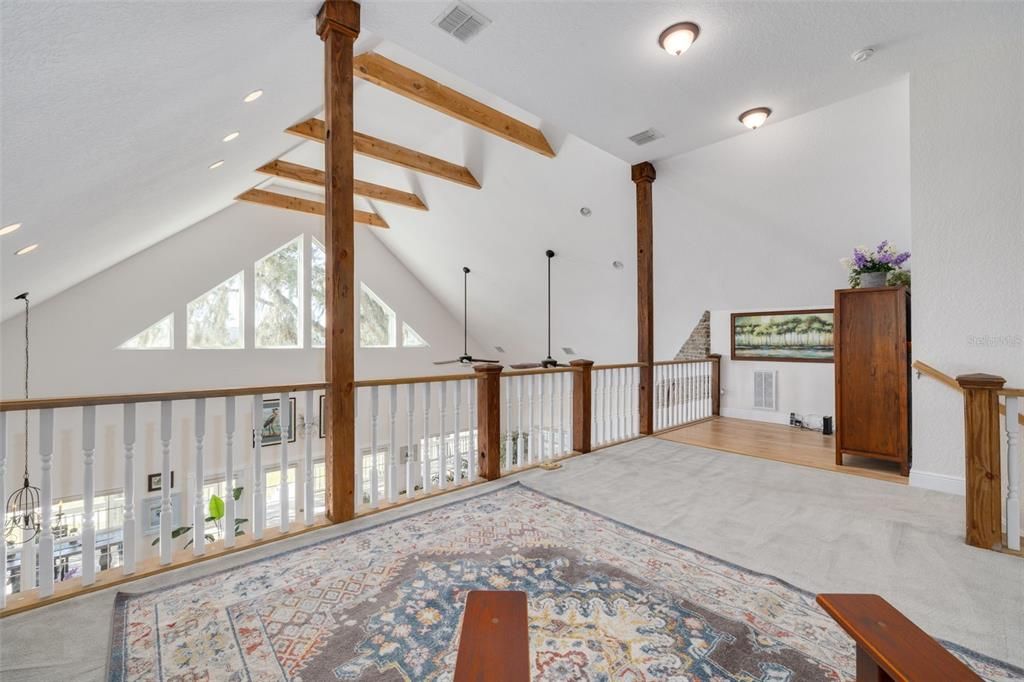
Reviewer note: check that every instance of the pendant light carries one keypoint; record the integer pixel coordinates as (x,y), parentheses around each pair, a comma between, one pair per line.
(22,509)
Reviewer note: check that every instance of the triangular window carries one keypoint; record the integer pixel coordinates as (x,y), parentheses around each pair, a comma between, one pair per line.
(278,299)
(412,339)
(318,295)
(158,336)
(215,318)
(377,321)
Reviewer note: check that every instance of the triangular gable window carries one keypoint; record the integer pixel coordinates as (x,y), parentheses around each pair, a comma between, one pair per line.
(278,297)
(215,318)
(377,321)
(411,338)
(158,336)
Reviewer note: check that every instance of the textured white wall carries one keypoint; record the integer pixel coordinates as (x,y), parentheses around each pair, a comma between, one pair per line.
(806,388)
(760,221)
(967,162)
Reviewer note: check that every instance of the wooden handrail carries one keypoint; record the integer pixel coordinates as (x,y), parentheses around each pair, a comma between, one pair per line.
(120,399)
(681,362)
(925,368)
(402,381)
(889,645)
(536,370)
(622,365)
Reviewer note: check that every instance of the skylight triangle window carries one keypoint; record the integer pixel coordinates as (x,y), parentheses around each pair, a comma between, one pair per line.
(214,320)
(158,336)
(278,297)
(377,321)
(411,338)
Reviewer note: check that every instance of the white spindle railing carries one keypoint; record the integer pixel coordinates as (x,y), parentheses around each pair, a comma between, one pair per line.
(230,513)
(682,393)
(198,503)
(311,426)
(88,495)
(259,510)
(3,497)
(128,521)
(614,407)
(1013,471)
(46,502)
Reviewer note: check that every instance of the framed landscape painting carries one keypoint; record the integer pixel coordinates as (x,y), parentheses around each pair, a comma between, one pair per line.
(784,336)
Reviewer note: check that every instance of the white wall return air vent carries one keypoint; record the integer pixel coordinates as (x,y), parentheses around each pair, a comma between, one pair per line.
(645,136)
(764,390)
(461,21)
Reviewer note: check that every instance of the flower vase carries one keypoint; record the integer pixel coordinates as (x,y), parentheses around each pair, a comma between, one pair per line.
(872,279)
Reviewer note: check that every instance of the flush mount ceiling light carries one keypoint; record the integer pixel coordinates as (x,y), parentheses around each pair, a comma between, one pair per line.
(677,38)
(755,118)
(216,164)
(26,249)
(585,212)
(7,229)
(863,55)
(231,136)
(617,264)
(253,96)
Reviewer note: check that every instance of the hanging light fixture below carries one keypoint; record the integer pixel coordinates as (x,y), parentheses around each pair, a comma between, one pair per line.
(677,38)
(22,510)
(755,118)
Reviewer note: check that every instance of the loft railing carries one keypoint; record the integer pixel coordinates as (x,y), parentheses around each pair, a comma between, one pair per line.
(992,415)
(103,463)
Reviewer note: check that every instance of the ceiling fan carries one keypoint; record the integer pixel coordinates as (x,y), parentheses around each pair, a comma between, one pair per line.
(465,358)
(548,361)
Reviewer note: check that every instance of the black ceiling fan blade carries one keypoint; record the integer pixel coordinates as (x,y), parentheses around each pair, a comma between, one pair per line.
(447,362)
(485,362)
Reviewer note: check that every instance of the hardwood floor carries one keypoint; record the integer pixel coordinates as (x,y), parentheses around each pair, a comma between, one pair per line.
(780,443)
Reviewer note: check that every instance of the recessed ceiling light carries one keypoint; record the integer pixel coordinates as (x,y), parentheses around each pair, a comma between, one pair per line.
(863,55)
(677,38)
(231,136)
(755,118)
(585,211)
(7,229)
(26,249)
(216,164)
(253,96)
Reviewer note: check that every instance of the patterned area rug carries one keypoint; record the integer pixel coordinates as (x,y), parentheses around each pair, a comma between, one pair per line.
(606,601)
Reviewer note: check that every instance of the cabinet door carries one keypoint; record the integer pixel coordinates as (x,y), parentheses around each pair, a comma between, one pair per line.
(871,388)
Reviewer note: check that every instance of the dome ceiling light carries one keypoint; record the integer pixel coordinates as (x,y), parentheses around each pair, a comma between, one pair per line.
(677,38)
(755,118)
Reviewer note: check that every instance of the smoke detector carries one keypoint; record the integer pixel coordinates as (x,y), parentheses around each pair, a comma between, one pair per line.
(461,22)
(645,136)
(862,55)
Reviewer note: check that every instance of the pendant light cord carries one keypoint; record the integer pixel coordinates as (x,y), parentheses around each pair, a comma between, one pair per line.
(25,297)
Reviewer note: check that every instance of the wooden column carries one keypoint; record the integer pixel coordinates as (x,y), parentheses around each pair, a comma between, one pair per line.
(337,24)
(643,177)
(716,383)
(581,404)
(488,420)
(981,448)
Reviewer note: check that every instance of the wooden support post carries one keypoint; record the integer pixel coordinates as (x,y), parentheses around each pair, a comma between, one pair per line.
(581,404)
(643,176)
(981,448)
(337,24)
(716,383)
(488,420)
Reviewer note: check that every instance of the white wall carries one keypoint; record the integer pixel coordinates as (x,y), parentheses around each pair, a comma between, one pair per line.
(760,221)
(74,335)
(806,388)
(967,163)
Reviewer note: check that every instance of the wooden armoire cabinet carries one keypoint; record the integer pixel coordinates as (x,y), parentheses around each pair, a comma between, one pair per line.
(872,365)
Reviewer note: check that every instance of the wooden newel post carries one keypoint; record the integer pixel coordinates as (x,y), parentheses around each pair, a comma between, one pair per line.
(337,24)
(981,469)
(583,371)
(488,419)
(643,177)
(716,383)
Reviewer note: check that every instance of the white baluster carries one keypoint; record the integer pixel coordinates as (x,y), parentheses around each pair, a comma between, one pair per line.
(88,495)
(282,484)
(358,454)
(3,497)
(374,413)
(531,443)
(507,381)
(46,501)
(609,435)
(473,466)
(199,506)
(128,516)
(259,507)
(391,482)
(597,409)
(411,451)
(520,440)
(1013,457)
(593,409)
(550,381)
(166,509)
(425,454)
(561,413)
(28,561)
(309,495)
(541,448)
(457,440)
(230,513)
(657,397)
(678,415)
(442,455)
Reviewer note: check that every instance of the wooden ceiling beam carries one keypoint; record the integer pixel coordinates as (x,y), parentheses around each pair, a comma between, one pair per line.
(312,176)
(401,80)
(302,205)
(375,148)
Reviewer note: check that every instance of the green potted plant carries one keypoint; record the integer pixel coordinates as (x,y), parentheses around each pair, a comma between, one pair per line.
(215,509)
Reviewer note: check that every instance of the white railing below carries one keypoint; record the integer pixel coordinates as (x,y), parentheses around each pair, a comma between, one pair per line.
(682,392)
(1011,499)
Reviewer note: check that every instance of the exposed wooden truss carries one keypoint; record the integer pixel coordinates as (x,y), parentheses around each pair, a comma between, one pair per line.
(313,176)
(302,205)
(375,148)
(401,80)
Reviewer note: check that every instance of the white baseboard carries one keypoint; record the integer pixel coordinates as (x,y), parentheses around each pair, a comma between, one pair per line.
(942,482)
(769,416)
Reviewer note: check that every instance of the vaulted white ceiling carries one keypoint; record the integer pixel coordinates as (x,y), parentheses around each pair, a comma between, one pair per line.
(112,112)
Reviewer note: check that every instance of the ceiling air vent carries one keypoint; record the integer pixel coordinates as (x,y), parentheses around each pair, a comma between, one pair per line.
(568,350)
(645,136)
(499,349)
(461,21)
(764,390)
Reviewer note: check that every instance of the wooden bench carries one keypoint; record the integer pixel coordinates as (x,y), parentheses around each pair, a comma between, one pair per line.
(889,646)
(495,643)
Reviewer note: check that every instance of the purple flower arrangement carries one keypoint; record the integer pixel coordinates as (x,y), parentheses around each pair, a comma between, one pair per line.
(886,258)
